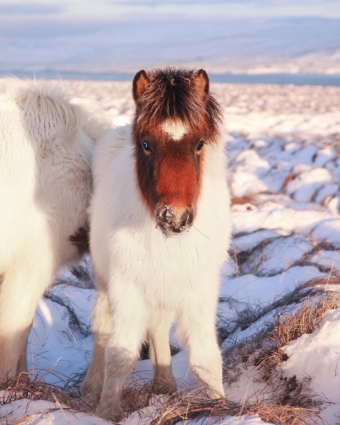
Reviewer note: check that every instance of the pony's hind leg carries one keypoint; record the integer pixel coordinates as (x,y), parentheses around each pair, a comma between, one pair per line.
(92,386)
(197,327)
(163,379)
(21,288)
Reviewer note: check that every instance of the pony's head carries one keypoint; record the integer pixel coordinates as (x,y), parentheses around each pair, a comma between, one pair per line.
(176,117)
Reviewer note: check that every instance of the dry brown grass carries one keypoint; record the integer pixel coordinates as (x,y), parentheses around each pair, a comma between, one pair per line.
(306,318)
(321,282)
(290,176)
(245,318)
(241,200)
(188,406)
(314,297)
(35,389)
(192,407)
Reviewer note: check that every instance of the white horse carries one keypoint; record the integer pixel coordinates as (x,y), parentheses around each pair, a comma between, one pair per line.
(46,145)
(160,231)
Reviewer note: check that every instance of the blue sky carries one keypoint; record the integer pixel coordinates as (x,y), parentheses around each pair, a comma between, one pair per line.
(135,9)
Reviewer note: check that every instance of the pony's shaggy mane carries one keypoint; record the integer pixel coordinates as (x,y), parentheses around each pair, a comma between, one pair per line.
(173,94)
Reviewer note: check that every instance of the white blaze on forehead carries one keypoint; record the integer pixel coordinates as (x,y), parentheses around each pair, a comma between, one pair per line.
(175,129)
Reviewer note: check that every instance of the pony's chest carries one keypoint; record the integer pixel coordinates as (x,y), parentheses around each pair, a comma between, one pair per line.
(151,259)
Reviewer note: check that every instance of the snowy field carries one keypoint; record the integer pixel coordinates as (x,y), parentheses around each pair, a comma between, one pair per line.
(283,145)
(287,45)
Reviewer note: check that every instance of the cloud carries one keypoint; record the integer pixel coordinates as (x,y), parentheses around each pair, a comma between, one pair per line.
(154,3)
(256,3)
(179,9)
(38,28)
(29,9)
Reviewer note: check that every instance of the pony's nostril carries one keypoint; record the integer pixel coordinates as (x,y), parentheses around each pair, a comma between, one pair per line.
(188,219)
(185,220)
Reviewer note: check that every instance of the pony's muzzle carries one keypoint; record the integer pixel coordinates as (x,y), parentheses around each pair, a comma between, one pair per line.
(174,219)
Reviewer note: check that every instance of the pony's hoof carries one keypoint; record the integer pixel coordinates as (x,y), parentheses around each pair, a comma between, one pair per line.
(213,394)
(163,386)
(90,395)
(109,412)
(89,398)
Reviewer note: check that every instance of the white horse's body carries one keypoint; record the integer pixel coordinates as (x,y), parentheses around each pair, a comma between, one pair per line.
(147,280)
(46,145)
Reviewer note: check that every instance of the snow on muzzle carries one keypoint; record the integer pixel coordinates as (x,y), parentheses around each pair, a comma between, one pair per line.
(174,219)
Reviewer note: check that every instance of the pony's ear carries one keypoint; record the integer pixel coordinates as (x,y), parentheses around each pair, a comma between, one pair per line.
(139,84)
(202,81)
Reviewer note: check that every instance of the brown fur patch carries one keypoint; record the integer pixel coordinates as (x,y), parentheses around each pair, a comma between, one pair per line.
(176,178)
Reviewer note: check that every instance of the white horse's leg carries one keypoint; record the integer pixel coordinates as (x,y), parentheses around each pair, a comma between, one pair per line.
(163,379)
(129,321)
(197,327)
(23,285)
(92,386)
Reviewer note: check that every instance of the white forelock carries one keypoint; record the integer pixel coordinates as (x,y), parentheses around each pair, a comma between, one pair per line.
(176,129)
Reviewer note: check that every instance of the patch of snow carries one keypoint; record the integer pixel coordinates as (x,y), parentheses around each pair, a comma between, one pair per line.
(262,290)
(277,256)
(318,355)
(44,413)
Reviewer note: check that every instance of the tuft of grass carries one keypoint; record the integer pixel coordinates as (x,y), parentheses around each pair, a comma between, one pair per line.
(193,407)
(264,348)
(288,327)
(35,389)
(290,177)
(245,318)
(242,200)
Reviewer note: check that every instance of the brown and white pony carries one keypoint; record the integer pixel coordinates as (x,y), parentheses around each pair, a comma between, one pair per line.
(160,231)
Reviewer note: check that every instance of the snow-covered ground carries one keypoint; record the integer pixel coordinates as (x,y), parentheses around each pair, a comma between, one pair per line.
(284,173)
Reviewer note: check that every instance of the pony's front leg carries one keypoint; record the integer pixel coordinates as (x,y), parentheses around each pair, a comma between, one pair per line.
(129,325)
(92,386)
(163,379)
(197,327)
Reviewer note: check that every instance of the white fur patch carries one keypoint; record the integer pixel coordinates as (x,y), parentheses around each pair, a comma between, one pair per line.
(175,129)
(45,160)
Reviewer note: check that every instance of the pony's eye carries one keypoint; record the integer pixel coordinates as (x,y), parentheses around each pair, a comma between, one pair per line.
(146,146)
(200,146)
